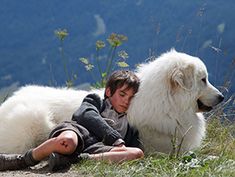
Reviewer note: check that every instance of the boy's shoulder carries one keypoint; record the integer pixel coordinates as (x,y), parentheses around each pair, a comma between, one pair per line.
(93,96)
(95,100)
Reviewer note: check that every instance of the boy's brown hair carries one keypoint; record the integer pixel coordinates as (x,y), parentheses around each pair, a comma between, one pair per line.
(122,77)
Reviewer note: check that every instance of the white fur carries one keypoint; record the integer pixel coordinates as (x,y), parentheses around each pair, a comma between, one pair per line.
(29,115)
(166,101)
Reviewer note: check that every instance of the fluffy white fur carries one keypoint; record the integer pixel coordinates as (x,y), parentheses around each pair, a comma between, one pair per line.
(165,106)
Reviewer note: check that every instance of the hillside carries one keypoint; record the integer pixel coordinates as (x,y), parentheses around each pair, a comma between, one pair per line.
(29,51)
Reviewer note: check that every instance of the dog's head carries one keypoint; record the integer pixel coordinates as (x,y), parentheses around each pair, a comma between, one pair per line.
(189,77)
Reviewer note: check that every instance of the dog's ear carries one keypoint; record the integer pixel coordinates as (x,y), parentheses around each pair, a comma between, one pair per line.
(183,77)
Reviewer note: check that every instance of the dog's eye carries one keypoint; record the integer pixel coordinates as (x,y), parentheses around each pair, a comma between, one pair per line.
(204,80)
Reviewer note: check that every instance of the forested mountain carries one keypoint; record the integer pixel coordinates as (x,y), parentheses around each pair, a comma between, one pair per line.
(29,49)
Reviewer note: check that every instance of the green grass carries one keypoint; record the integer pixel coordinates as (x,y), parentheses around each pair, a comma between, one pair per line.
(216,157)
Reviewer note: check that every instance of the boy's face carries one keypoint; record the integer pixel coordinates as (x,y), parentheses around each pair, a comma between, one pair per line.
(121,98)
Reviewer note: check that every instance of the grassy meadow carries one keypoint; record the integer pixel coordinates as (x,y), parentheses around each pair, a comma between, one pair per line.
(216,157)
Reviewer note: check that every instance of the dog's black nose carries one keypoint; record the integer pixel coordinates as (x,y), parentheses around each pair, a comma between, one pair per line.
(221,98)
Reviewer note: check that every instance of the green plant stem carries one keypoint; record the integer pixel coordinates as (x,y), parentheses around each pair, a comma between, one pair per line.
(64,60)
(110,61)
(173,142)
(98,64)
(108,57)
(181,142)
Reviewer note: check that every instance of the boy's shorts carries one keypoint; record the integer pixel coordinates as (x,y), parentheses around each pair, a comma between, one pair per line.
(87,143)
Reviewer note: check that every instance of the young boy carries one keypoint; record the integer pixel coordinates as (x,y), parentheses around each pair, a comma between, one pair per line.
(99,130)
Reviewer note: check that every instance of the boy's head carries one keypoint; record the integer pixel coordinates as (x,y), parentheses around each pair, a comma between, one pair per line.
(120,89)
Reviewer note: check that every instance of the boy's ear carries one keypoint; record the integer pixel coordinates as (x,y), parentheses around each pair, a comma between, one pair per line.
(108,92)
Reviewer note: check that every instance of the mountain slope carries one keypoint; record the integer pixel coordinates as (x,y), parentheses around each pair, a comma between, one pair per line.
(29,50)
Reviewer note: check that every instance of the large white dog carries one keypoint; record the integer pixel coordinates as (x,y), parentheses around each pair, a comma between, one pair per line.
(174,90)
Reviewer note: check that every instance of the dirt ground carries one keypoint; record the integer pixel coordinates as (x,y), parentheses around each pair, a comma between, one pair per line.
(40,170)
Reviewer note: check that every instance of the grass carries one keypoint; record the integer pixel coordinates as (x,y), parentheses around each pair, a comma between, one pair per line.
(216,157)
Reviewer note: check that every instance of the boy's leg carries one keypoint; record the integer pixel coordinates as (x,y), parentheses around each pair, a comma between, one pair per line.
(65,143)
(119,154)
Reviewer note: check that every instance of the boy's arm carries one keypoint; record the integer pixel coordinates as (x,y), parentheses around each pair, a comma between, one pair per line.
(88,115)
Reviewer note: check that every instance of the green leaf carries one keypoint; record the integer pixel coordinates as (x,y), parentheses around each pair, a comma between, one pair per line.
(99,45)
(61,34)
(104,75)
(122,64)
(123,54)
(84,61)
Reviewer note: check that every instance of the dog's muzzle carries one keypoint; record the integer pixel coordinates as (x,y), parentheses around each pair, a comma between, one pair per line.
(204,108)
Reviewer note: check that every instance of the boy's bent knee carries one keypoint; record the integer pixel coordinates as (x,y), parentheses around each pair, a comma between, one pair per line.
(69,144)
(66,143)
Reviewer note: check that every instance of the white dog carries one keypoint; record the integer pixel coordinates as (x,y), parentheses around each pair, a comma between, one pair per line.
(174,89)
